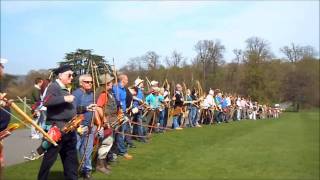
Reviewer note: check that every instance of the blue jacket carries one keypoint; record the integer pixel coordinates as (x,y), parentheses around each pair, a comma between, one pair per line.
(224,103)
(120,94)
(4,116)
(82,100)
(140,96)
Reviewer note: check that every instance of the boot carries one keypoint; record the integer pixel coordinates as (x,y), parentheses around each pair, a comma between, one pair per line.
(107,166)
(101,167)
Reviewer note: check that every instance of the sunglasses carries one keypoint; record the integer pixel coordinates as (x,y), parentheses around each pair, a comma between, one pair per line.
(87,82)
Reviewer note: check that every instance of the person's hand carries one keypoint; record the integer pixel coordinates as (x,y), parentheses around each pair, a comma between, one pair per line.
(82,129)
(135,110)
(101,132)
(2,103)
(69,98)
(92,107)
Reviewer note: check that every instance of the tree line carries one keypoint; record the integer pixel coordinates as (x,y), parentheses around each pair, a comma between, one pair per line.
(254,71)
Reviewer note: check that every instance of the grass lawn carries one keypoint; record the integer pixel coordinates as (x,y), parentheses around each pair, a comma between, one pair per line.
(284,148)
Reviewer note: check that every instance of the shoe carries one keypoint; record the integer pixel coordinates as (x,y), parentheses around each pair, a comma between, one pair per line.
(131,146)
(107,166)
(35,136)
(101,167)
(87,176)
(127,156)
(178,128)
(198,125)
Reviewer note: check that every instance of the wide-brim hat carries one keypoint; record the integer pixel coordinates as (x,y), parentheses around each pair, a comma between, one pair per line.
(137,82)
(105,78)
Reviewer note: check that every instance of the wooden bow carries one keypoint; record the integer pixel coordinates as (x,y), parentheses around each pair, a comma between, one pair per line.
(27,119)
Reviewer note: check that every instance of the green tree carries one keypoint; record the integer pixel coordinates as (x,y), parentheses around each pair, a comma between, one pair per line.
(256,54)
(84,61)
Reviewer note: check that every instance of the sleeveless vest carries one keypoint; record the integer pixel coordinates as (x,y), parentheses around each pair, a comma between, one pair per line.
(111,106)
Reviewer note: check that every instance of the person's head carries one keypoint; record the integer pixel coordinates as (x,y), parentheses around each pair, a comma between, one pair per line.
(178,87)
(65,74)
(139,83)
(44,85)
(211,92)
(2,62)
(106,80)
(123,79)
(154,83)
(218,92)
(194,92)
(85,82)
(188,92)
(161,91)
(155,90)
(38,81)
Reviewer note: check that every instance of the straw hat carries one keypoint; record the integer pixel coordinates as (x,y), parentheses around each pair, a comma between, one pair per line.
(137,82)
(105,78)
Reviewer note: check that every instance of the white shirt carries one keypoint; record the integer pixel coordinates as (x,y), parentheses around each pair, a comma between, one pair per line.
(209,101)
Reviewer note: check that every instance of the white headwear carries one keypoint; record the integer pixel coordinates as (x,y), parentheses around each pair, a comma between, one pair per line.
(154,83)
(211,92)
(137,82)
(3,61)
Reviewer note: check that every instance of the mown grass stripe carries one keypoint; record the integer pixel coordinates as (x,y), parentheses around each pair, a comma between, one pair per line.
(284,148)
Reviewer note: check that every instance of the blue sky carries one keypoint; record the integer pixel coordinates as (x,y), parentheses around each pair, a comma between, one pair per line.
(37,34)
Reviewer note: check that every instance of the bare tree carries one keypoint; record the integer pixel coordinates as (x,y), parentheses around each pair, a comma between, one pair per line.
(176,59)
(210,54)
(239,55)
(309,51)
(258,50)
(151,58)
(296,53)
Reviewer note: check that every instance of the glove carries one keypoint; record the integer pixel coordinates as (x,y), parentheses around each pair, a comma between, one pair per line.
(82,129)
(91,107)
(101,132)
(135,110)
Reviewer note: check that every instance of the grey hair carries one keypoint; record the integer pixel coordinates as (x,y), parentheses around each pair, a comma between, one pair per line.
(83,76)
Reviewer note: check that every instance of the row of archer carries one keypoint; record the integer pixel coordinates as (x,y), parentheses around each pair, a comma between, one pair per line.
(138,116)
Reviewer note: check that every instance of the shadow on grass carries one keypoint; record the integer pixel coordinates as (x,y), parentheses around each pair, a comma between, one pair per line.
(56,175)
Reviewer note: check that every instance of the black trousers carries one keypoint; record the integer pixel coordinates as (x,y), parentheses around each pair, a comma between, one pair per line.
(68,153)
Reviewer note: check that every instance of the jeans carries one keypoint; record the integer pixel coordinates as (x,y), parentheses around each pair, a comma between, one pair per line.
(86,150)
(238,114)
(42,119)
(193,113)
(120,139)
(161,119)
(138,129)
(165,117)
(176,119)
